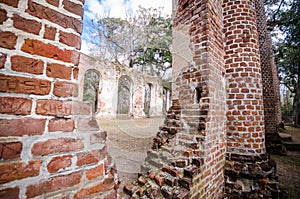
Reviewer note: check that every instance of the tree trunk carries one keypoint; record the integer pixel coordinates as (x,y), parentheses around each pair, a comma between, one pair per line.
(296,104)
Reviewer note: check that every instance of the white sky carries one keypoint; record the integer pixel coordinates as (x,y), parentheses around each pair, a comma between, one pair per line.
(117,8)
(93,9)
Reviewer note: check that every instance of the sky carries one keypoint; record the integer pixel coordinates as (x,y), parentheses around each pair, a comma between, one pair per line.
(94,9)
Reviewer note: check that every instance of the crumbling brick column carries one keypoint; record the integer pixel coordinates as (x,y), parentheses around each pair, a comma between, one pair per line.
(50,146)
(249,173)
(270,82)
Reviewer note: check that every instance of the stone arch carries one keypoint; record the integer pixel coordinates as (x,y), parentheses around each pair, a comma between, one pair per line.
(92,88)
(124,95)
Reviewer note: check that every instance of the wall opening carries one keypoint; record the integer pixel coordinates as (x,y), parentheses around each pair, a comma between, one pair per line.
(198,93)
(147,99)
(124,95)
(91,88)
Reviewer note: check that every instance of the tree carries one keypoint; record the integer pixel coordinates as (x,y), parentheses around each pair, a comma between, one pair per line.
(143,39)
(284,22)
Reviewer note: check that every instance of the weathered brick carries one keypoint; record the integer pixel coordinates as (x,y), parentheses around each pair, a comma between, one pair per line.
(21,127)
(53,2)
(75,73)
(73,7)
(15,105)
(13,3)
(98,138)
(87,124)
(65,89)
(70,39)
(101,187)
(10,150)
(56,17)
(27,65)
(8,40)
(48,50)
(10,193)
(60,162)
(53,184)
(96,172)
(62,108)
(3,16)
(91,157)
(64,125)
(59,71)
(2,60)
(56,146)
(18,170)
(27,25)
(50,32)
(16,84)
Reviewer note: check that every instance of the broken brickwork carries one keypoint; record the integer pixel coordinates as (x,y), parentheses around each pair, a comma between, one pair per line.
(212,143)
(50,145)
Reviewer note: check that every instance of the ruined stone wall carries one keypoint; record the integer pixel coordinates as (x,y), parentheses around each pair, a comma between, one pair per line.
(50,147)
(108,88)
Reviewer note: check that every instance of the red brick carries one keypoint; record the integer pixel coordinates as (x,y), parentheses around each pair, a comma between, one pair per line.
(3,16)
(8,40)
(27,65)
(104,186)
(54,16)
(75,73)
(10,193)
(19,170)
(73,7)
(13,3)
(2,60)
(96,172)
(48,50)
(49,33)
(64,125)
(91,157)
(53,2)
(56,146)
(59,71)
(27,25)
(60,162)
(53,184)
(21,127)
(15,105)
(70,39)
(62,108)
(15,84)
(10,150)
(65,89)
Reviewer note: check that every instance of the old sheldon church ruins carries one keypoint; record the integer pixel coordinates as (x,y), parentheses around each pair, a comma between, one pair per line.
(225,102)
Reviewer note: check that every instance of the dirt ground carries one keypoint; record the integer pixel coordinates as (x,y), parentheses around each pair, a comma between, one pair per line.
(288,168)
(128,141)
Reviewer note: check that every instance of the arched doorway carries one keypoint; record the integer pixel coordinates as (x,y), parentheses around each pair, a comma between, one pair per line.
(91,88)
(124,95)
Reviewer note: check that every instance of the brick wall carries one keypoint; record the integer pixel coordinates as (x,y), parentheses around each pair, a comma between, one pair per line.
(45,133)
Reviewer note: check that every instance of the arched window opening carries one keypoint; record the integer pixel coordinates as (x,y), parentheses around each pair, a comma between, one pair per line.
(147,99)
(91,88)
(124,95)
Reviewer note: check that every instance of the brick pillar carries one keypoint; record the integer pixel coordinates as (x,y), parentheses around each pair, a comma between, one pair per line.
(270,81)
(50,146)
(246,153)
(188,154)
